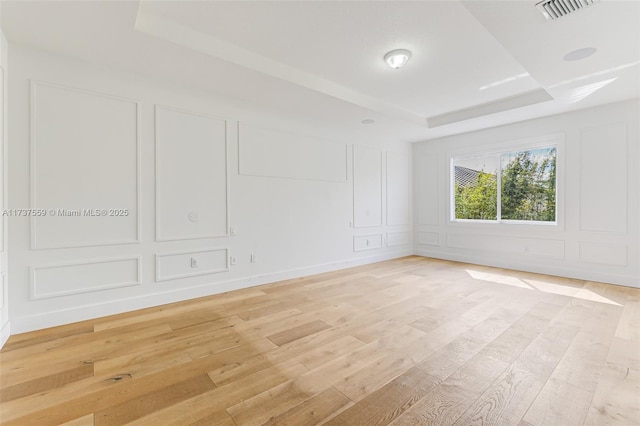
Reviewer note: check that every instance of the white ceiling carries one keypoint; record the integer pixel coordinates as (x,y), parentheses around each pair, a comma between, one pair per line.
(321,62)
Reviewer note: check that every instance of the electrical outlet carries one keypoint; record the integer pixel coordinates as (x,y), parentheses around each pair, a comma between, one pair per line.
(194,262)
(252,258)
(232,260)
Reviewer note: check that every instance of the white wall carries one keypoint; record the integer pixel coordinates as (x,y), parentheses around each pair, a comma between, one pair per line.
(597,234)
(202,179)
(4,301)
(212,180)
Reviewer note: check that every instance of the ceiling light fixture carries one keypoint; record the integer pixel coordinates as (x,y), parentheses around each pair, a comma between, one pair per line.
(397,58)
(368,121)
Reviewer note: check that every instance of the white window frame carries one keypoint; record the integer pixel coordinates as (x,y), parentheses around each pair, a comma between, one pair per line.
(550,141)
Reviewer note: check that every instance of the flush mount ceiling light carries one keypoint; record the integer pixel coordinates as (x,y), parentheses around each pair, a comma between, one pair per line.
(397,58)
(583,53)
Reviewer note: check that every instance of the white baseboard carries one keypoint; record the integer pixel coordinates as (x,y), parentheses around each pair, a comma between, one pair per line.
(80,313)
(540,268)
(5,333)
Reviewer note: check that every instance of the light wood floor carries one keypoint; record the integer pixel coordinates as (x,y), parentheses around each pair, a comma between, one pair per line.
(404,342)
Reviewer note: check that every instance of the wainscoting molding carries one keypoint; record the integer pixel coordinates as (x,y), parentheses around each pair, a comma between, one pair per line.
(181,260)
(367,188)
(397,182)
(198,176)
(604,148)
(538,247)
(429,238)
(398,238)
(428,183)
(3,159)
(94,269)
(3,290)
(367,242)
(260,154)
(36,242)
(603,253)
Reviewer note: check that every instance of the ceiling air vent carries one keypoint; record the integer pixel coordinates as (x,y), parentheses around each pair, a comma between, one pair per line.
(556,9)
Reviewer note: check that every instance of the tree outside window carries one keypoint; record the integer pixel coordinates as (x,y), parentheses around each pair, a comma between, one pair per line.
(526,180)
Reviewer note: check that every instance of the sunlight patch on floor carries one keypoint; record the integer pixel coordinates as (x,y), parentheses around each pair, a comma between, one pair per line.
(585,294)
(498,279)
(548,287)
(544,286)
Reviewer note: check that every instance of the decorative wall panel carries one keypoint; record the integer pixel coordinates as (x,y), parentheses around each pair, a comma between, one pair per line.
(84,168)
(191,175)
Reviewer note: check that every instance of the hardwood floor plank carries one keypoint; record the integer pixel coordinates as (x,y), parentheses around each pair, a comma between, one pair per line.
(583,361)
(81,421)
(155,358)
(312,411)
(318,340)
(506,401)
(628,325)
(279,354)
(508,345)
(89,386)
(47,335)
(384,405)
(223,397)
(296,333)
(203,316)
(241,368)
(42,384)
(38,365)
(388,329)
(212,347)
(173,309)
(559,403)
(64,404)
(79,341)
(423,347)
(547,349)
(135,408)
(408,341)
(365,381)
(220,418)
(624,353)
(451,357)
(451,398)
(259,409)
(269,307)
(615,401)
(332,372)
(330,351)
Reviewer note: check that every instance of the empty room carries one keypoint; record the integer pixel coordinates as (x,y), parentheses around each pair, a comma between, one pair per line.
(320,212)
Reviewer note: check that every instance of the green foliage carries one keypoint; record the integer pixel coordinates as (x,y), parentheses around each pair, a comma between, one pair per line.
(529,186)
(478,201)
(528,189)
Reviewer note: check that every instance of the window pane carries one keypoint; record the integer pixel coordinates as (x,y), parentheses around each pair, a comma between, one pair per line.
(476,188)
(529,185)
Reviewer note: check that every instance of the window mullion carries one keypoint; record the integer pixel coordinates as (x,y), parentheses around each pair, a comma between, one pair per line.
(499,190)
